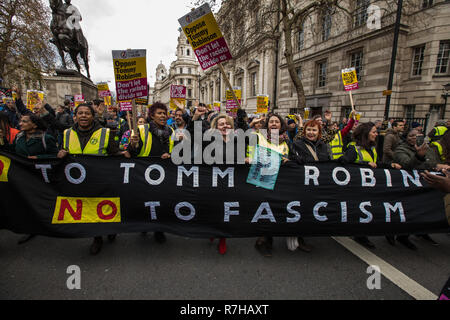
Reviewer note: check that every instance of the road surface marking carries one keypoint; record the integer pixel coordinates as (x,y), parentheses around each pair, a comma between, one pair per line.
(402,281)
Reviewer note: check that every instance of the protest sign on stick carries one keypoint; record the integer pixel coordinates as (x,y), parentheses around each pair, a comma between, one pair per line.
(6,93)
(78,99)
(134,117)
(33,96)
(228,83)
(233,98)
(207,41)
(103,90)
(126,106)
(177,96)
(350,79)
(108,101)
(130,71)
(217,106)
(262,104)
(203,34)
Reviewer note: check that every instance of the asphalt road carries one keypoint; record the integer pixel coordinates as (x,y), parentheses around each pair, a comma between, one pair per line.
(136,267)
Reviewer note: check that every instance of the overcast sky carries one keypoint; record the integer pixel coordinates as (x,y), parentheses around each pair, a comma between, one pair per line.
(136,24)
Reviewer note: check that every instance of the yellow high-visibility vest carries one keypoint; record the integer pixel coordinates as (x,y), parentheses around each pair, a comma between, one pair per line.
(440,150)
(147,140)
(363,155)
(283,148)
(440,131)
(337,146)
(97,145)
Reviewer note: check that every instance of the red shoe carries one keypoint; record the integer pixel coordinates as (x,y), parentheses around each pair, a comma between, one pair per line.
(222,246)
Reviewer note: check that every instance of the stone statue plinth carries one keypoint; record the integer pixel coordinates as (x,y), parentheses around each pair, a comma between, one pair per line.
(68,82)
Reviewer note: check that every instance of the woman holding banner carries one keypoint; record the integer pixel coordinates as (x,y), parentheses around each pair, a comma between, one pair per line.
(309,148)
(153,140)
(88,137)
(277,140)
(363,151)
(225,126)
(32,142)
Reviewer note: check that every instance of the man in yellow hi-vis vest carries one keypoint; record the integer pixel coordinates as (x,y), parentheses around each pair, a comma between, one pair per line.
(438,131)
(153,140)
(88,137)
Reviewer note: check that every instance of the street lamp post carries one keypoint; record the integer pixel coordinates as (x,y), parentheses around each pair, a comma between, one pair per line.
(393,58)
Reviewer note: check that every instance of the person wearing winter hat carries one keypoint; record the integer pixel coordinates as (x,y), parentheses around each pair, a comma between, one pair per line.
(292,130)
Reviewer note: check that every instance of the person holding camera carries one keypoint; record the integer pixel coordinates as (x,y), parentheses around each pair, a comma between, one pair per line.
(411,155)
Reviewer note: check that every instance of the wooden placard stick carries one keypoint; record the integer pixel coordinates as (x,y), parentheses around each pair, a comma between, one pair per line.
(351,100)
(134,116)
(227,81)
(129,120)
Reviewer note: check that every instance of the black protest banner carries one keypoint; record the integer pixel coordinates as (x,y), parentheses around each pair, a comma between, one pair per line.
(89,196)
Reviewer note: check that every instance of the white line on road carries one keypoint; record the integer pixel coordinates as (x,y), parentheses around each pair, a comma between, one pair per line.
(405,283)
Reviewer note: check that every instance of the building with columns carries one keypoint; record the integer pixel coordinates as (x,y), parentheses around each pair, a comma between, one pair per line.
(328,42)
(253,68)
(183,71)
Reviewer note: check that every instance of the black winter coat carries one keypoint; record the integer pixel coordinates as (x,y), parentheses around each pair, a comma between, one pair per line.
(302,155)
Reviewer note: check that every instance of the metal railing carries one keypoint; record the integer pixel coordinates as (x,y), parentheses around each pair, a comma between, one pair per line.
(409,121)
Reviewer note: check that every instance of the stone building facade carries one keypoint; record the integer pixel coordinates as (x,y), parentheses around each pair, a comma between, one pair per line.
(325,47)
(183,71)
(253,68)
(327,43)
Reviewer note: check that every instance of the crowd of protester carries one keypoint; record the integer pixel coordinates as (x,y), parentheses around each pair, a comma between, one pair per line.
(93,129)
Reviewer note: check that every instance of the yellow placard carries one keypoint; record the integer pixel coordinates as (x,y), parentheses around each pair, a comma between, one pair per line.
(173,105)
(238,94)
(262,104)
(350,79)
(102,87)
(13,98)
(130,69)
(5,163)
(108,101)
(86,210)
(202,31)
(32,98)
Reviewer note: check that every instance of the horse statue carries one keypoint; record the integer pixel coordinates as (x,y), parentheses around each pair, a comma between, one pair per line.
(67,34)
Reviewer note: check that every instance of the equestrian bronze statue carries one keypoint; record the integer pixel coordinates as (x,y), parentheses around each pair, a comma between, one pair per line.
(67,34)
